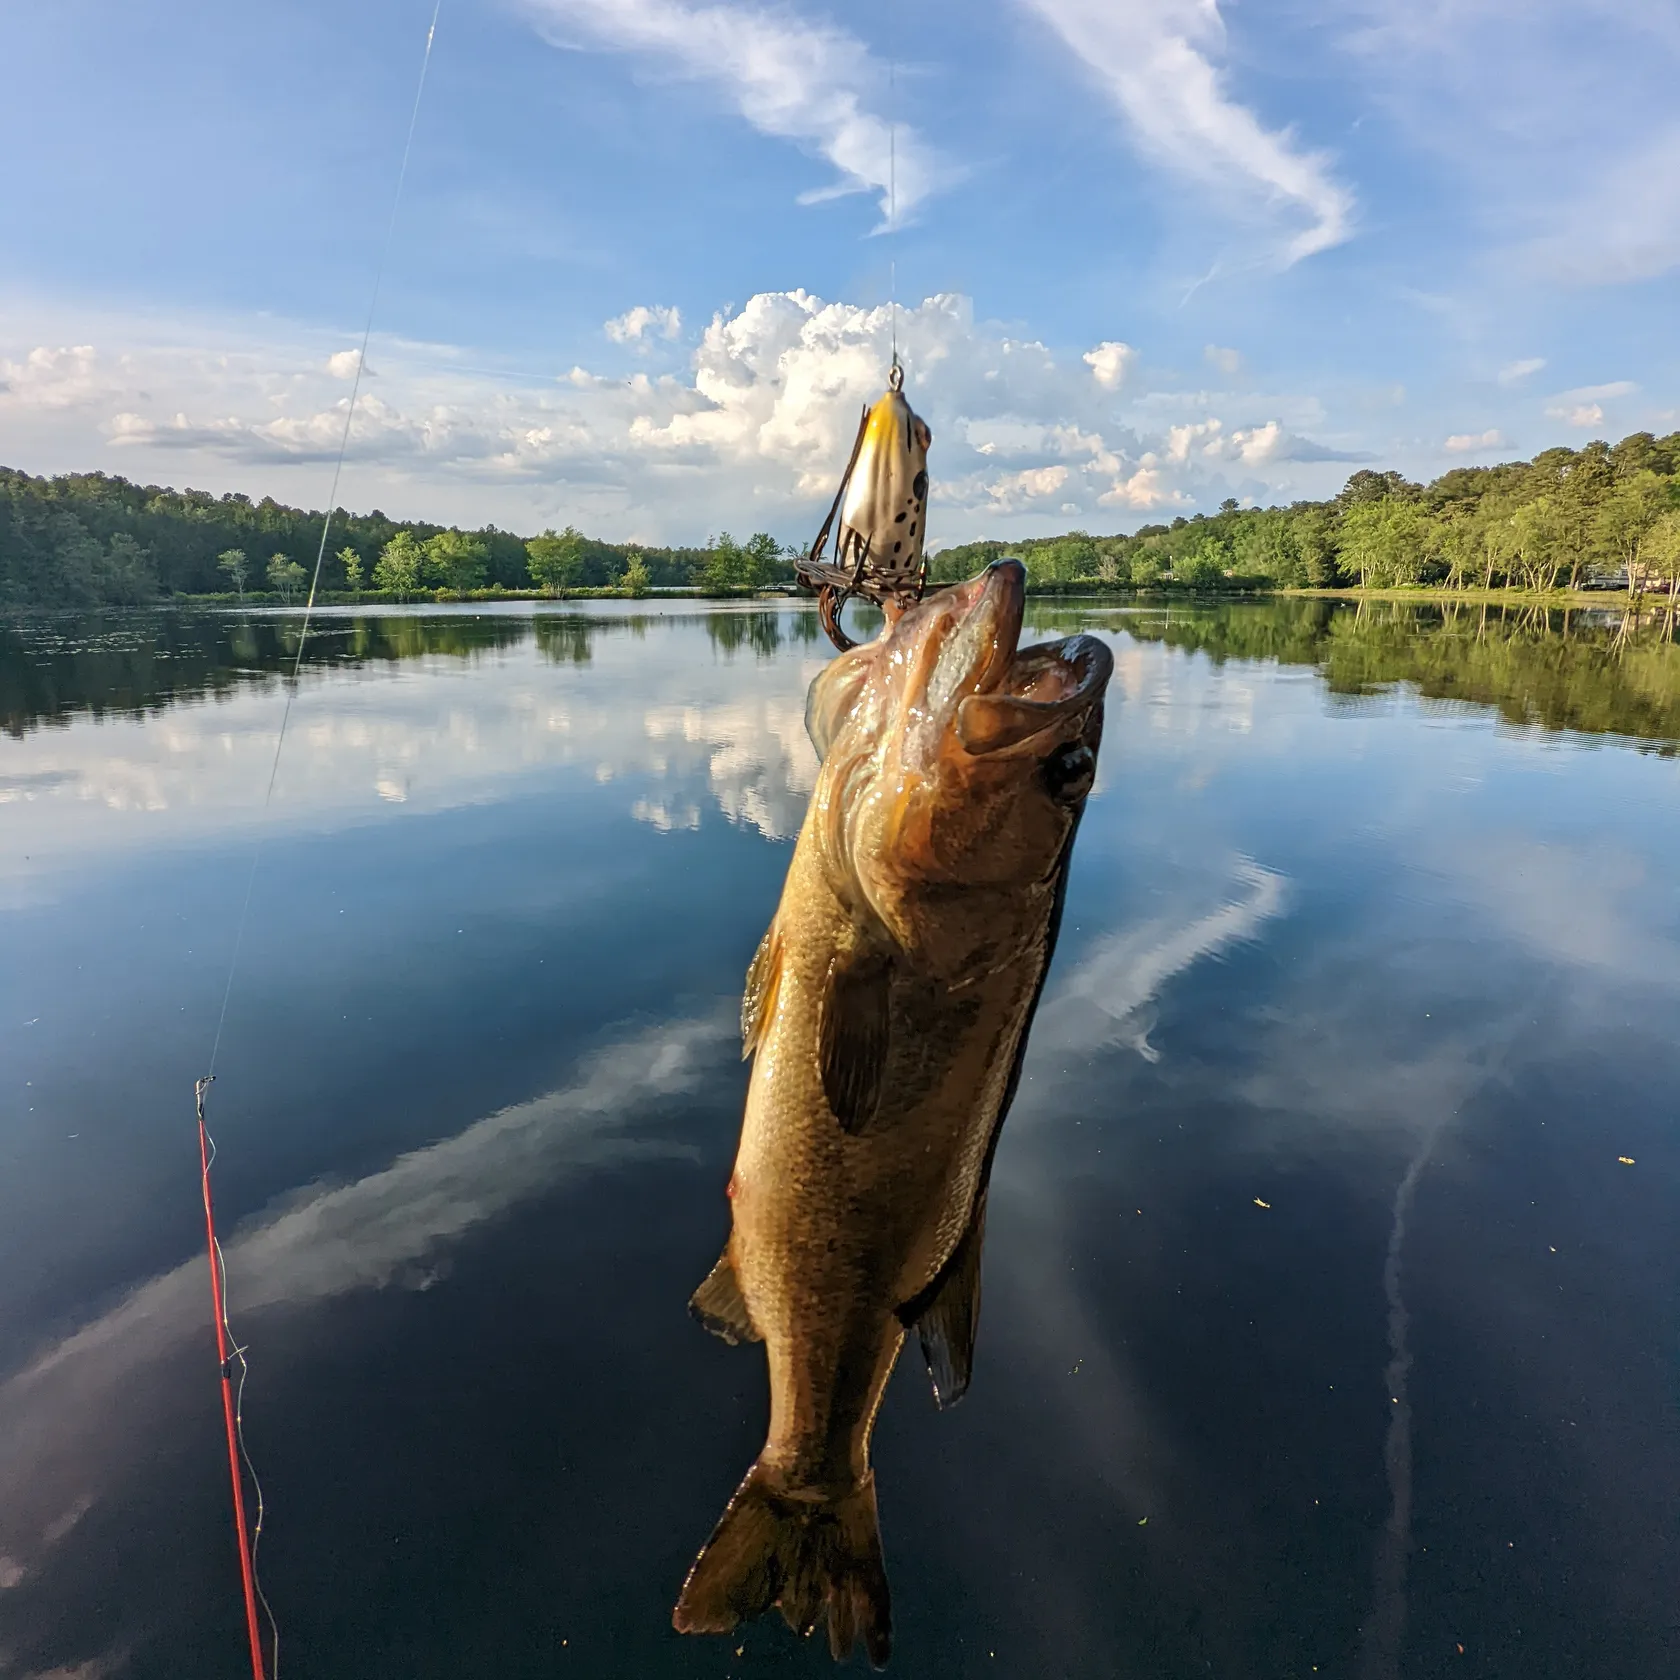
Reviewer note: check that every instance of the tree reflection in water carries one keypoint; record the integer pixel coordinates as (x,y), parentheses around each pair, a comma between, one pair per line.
(1593,671)
(1599,672)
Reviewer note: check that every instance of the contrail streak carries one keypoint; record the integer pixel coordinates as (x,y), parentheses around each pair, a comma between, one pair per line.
(1379,1656)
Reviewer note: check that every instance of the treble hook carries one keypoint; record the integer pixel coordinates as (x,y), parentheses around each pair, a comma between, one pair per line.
(831,602)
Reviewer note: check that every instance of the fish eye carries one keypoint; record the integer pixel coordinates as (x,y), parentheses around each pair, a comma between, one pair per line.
(1069,771)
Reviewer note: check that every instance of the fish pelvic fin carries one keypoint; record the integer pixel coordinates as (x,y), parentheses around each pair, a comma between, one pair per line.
(758,1001)
(720,1306)
(947,1314)
(810,1555)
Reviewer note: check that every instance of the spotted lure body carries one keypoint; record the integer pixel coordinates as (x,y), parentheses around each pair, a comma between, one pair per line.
(884,513)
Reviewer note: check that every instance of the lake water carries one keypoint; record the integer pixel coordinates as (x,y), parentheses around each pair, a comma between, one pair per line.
(1332,1268)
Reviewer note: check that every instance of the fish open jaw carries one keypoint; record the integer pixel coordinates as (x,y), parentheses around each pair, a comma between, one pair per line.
(983,684)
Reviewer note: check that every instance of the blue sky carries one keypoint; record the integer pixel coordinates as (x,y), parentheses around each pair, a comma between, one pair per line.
(1149,253)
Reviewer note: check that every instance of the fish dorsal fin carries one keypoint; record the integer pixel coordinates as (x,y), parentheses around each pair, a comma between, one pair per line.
(946,1325)
(720,1306)
(853,1037)
(758,1001)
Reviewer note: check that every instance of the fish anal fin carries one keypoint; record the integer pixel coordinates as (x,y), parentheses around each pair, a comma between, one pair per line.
(720,1306)
(853,1038)
(758,1001)
(947,1314)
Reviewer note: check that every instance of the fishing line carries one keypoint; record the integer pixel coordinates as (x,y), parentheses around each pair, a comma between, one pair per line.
(326,528)
(892,203)
(228,1348)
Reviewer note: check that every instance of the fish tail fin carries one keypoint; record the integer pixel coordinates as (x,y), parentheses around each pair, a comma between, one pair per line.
(808,1554)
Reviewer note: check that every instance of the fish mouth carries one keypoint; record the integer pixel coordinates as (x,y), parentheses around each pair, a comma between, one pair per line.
(997,694)
(983,629)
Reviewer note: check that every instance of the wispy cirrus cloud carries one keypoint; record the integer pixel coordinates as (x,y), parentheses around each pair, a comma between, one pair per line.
(796,79)
(1155,59)
(1558,116)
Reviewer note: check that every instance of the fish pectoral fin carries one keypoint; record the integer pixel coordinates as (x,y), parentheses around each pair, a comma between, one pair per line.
(947,1314)
(720,1306)
(758,1001)
(853,1038)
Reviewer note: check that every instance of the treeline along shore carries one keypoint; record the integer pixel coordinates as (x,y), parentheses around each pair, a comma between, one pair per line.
(1604,516)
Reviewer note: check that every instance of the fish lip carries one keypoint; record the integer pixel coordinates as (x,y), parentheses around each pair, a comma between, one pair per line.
(999,594)
(1024,711)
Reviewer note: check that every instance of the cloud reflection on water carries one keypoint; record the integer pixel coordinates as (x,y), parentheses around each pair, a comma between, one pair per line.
(71,1421)
(686,729)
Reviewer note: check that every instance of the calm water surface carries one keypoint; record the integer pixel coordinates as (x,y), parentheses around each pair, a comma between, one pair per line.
(1326,1330)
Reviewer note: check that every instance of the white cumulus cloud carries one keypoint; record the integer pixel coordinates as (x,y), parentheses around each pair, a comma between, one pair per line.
(1584,406)
(812,83)
(750,432)
(50,378)
(1154,57)
(1109,362)
(1580,414)
(1473,443)
(637,325)
(342,364)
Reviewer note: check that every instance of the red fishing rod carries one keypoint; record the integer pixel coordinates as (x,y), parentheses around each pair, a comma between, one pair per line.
(247,1565)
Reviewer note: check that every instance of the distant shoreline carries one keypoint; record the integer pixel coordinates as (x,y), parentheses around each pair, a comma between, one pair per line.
(1417,595)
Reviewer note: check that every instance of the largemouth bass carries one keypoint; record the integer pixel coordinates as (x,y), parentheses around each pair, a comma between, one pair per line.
(887,1012)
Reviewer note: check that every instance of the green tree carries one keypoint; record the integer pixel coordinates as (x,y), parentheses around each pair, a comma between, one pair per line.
(1368,486)
(1205,566)
(1264,547)
(1147,567)
(1627,518)
(454,560)
(635,581)
(238,568)
(397,570)
(1458,543)
(1386,542)
(1585,486)
(1312,534)
(351,561)
(126,572)
(723,571)
(555,561)
(286,576)
(1494,536)
(1661,552)
(761,560)
(1539,536)
(1114,567)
